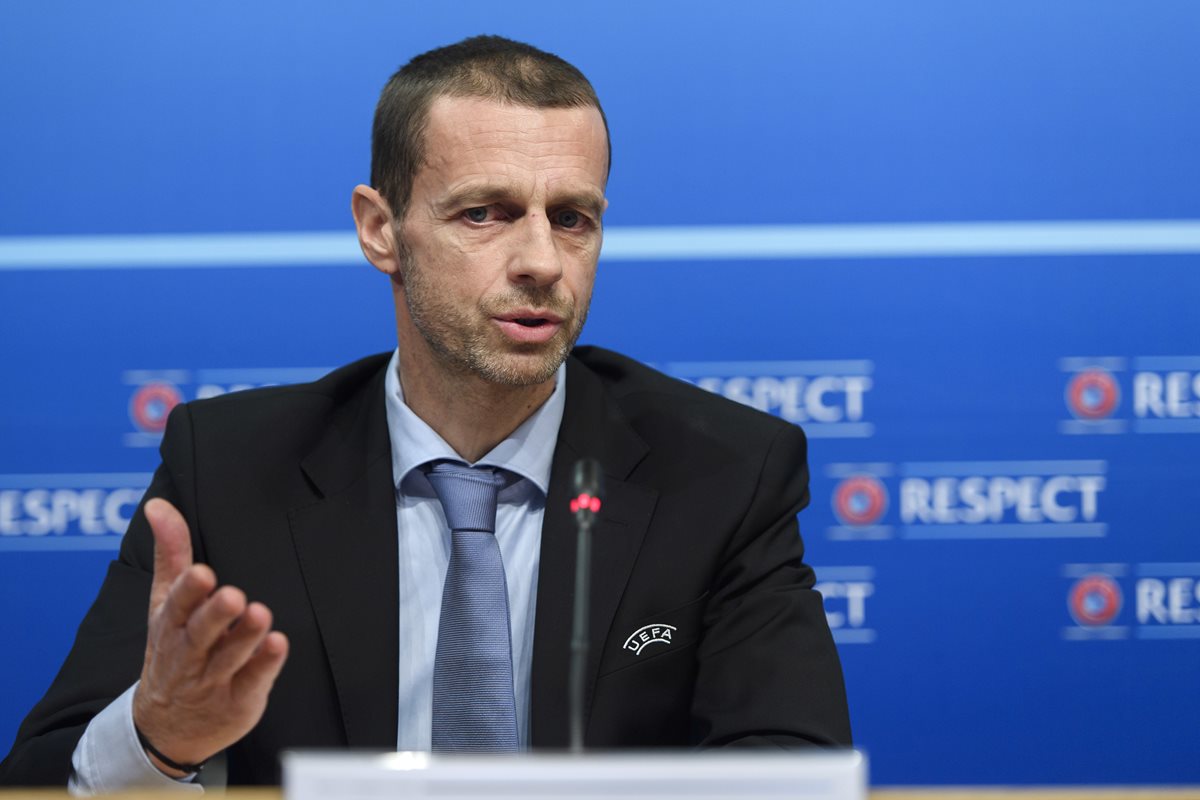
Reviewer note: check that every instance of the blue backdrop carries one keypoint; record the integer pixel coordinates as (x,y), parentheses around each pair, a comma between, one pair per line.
(958,243)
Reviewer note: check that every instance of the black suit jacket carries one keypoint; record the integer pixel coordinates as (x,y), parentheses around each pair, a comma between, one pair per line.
(288,492)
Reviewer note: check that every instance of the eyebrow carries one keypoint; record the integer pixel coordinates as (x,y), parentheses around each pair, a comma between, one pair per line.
(484,194)
(593,202)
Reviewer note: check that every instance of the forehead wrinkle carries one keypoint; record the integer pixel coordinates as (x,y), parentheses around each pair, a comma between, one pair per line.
(487,175)
(559,155)
(522,151)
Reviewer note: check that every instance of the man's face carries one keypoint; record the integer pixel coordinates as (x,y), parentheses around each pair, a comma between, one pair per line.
(500,240)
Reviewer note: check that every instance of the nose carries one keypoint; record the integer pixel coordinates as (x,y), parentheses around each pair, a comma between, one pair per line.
(536,260)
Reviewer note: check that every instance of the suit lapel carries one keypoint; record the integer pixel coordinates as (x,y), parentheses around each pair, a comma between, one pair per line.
(592,426)
(346,543)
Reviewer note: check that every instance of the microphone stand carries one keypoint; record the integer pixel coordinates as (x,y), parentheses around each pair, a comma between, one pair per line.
(585,504)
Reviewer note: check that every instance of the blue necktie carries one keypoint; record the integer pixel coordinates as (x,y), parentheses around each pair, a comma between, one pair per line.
(474,709)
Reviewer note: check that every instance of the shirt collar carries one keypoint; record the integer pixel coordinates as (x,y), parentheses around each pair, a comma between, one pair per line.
(528,451)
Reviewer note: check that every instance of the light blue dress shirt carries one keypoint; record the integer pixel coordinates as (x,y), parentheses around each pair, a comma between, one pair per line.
(109,758)
(425,547)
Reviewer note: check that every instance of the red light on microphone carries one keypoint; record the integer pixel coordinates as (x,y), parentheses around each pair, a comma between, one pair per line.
(585,502)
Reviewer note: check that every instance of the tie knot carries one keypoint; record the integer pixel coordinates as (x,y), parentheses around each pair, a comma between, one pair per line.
(468,494)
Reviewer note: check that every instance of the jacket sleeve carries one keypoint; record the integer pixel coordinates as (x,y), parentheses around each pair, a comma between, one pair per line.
(768,672)
(106,657)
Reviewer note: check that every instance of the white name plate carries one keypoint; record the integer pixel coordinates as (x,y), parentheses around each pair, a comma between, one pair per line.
(709,775)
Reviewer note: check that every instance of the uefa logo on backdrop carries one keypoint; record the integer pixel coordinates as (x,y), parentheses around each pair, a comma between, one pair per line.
(154,393)
(1138,394)
(860,500)
(1163,601)
(1094,600)
(1092,394)
(151,404)
(1034,499)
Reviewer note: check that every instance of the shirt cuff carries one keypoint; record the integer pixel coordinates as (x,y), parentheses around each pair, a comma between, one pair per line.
(109,757)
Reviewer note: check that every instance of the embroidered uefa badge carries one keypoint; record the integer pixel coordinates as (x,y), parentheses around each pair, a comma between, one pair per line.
(643,637)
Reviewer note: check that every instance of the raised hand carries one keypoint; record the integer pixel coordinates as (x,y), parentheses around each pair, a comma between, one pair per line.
(211,657)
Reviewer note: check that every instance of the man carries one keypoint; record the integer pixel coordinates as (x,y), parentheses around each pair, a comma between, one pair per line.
(328,503)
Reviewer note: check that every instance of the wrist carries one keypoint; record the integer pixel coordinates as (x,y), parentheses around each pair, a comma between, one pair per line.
(164,763)
(148,713)
(164,769)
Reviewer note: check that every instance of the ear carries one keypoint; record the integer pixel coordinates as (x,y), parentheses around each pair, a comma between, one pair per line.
(376,234)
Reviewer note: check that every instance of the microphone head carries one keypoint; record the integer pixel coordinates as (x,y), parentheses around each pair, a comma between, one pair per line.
(589,479)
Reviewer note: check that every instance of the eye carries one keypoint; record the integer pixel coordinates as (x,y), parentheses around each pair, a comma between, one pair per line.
(569,218)
(477,214)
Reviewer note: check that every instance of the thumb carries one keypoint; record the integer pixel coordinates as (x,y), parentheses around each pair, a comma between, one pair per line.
(172,547)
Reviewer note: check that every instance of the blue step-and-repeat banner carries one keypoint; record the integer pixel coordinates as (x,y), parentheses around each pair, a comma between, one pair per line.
(958,243)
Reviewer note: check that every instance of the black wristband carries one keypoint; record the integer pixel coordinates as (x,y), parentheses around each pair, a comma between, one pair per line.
(154,751)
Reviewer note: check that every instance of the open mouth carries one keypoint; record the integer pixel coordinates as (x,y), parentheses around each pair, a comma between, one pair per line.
(528,326)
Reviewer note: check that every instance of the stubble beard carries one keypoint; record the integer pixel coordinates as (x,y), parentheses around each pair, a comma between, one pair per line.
(466,342)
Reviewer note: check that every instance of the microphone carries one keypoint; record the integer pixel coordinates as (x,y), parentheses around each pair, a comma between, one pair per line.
(588,493)
(589,489)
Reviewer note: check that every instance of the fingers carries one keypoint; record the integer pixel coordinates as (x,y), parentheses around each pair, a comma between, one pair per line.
(172,547)
(217,631)
(210,621)
(229,633)
(260,672)
(188,593)
(240,642)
